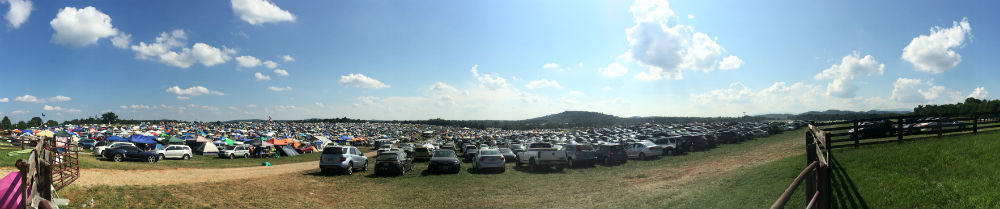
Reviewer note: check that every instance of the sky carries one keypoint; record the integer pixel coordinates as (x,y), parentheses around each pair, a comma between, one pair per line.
(254,59)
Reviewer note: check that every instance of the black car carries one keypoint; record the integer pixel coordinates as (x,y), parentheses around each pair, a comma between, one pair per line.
(508,155)
(470,154)
(123,153)
(444,160)
(611,153)
(393,162)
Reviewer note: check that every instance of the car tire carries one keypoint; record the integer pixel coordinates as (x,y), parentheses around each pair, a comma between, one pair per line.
(246,155)
(186,157)
(161,156)
(365,167)
(642,156)
(323,170)
(232,156)
(350,169)
(151,159)
(570,163)
(118,157)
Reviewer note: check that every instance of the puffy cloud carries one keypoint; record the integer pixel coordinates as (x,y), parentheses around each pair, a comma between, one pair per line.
(183,98)
(979,93)
(320,105)
(192,91)
(284,107)
(279,89)
(690,17)
(136,107)
(359,80)
(736,93)
(81,27)
(281,72)
(257,12)
(367,100)
(489,81)
(613,70)
(542,83)
(18,13)
(19,112)
(261,77)
(909,90)
(935,52)
(29,98)
(667,50)
(5,99)
(552,66)
(60,98)
(730,62)
(287,58)
(270,64)
(248,61)
(442,88)
(60,109)
(162,51)
(842,74)
(121,40)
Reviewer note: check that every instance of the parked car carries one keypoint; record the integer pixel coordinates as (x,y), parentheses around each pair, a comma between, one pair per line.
(393,162)
(232,152)
(642,150)
(470,153)
(86,143)
(670,147)
(580,154)
(516,148)
(421,154)
(611,153)
(541,154)
(123,153)
(100,146)
(508,155)
(489,159)
(342,158)
(175,151)
(444,160)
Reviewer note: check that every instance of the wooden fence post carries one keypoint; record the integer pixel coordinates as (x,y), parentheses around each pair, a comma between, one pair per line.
(939,129)
(975,123)
(811,157)
(900,131)
(854,134)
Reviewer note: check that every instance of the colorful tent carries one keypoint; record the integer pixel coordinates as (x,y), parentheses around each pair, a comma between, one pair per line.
(142,139)
(115,139)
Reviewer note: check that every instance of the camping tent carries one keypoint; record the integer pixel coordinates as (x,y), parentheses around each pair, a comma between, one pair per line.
(175,140)
(142,139)
(114,138)
(205,148)
(280,142)
(287,151)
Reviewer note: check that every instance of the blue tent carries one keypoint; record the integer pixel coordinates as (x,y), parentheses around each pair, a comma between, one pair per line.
(115,139)
(142,139)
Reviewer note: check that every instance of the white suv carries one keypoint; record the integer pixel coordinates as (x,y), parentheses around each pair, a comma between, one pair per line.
(235,151)
(174,151)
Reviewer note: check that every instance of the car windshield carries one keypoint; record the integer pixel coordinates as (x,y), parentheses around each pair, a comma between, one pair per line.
(489,152)
(444,153)
(506,151)
(387,156)
(647,143)
(335,150)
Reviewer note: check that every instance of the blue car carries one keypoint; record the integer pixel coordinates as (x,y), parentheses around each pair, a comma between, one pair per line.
(86,143)
(124,153)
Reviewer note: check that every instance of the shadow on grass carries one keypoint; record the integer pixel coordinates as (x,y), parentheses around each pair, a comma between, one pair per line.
(540,170)
(845,192)
(435,173)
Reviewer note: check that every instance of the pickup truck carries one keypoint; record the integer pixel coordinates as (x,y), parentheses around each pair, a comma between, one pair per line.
(542,154)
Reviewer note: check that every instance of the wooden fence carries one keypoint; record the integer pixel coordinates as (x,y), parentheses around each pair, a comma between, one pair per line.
(821,141)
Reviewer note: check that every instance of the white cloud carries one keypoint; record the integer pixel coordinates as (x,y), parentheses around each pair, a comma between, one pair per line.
(843,74)
(736,93)
(192,91)
(320,105)
(690,17)
(279,89)
(607,88)
(576,93)
(183,98)
(248,61)
(29,98)
(5,99)
(287,58)
(18,12)
(284,107)
(81,27)
(667,50)
(270,64)
(909,90)
(935,52)
(730,62)
(281,72)
(19,112)
(613,70)
(60,109)
(257,12)
(552,66)
(162,51)
(251,106)
(60,98)
(136,107)
(442,88)
(359,80)
(367,100)
(261,77)
(542,83)
(121,40)
(489,81)
(979,93)
(579,64)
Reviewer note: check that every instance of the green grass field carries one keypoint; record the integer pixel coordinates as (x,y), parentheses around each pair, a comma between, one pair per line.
(197,161)
(743,179)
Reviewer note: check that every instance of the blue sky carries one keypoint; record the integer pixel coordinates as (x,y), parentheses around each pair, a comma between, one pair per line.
(487,59)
